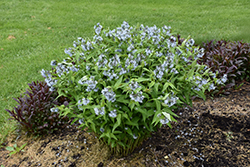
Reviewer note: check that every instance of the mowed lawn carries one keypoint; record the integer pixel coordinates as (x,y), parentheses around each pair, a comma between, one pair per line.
(32,33)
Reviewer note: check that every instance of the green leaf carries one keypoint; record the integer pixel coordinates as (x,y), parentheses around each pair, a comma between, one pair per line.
(201,94)
(190,74)
(144,113)
(113,144)
(92,125)
(158,105)
(23,146)
(109,137)
(122,100)
(129,131)
(152,84)
(146,69)
(183,99)
(113,136)
(156,119)
(120,143)
(117,132)
(172,119)
(117,84)
(131,105)
(156,86)
(168,110)
(10,148)
(142,79)
(188,99)
(125,116)
(133,122)
(103,135)
(166,86)
(118,122)
(12,153)
(167,115)
(169,124)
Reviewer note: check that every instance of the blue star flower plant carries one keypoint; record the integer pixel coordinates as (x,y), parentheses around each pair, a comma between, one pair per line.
(127,82)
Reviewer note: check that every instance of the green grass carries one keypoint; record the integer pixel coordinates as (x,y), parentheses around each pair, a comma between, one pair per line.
(43,29)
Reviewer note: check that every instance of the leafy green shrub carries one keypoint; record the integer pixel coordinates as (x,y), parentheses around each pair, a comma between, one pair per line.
(37,113)
(127,82)
(231,59)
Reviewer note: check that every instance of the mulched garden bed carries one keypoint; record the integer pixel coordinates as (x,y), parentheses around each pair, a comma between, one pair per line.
(211,133)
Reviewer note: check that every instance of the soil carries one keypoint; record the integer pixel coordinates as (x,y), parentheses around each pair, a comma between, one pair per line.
(215,132)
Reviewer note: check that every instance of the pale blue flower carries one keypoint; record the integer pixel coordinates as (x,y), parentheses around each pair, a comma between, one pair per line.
(174,71)
(75,44)
(52,89)
(130,48)
(224,78)
(211,87)
(170,101)
(113,113)
(138,97)
(81,121)
(102,61)
(148,52)
(98,28)
(54,110)
(158,54)
(85,101)
(87,68)
(73,68)
(81,40)
(44,73)
(91,83)
(123,71)
(164,121)
(197,89)
(84,47)
(172,41)
(134,85)
(98,38)
(69,52)
(191,41)
(134,136)
(102,130)
(114,61)
(109,94)
(100,111)
(53,63)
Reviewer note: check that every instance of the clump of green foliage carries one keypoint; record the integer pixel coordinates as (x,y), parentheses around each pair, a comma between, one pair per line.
(127,82)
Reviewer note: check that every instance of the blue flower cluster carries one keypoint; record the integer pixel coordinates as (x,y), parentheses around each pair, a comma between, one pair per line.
(99,111)
(48,79)
(199,82)
(109,94)
(165,67)
(125,57)
(163,121)
(170,101)
(113,113)
(222,80)
(134,85)
(91,84)
(138,97)
(54,109)
(82,102)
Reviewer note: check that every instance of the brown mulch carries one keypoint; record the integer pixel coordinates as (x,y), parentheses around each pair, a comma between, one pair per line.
(211,133)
